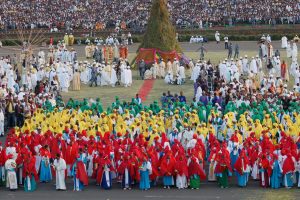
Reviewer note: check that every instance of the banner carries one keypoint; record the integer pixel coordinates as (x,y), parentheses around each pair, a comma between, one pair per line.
(151,55)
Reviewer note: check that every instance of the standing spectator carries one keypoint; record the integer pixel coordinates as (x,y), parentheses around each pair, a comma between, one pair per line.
(182,98)
(229,50)
(236,51)
(142,68)
(226,40)
(10,112)
(217,37)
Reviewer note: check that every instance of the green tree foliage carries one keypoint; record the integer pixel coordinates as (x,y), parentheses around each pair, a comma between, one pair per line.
(160,32)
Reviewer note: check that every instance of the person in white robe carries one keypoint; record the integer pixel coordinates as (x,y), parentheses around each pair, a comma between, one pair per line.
(295,52)
(254,66)
(60,168)
(284,41)
(181,73)
(128,77)
(1,122)
(162,67)
(38,157)
(269,40)
(191,66)
(245,65)
(293,67)
(169,78)
(264,50)
(148,74)
(222,69)
(259,63)
(122,69)
(235,72)
(217,37)
(11,79)
(86,74)
(101,77)
(28,81)
(52,74)
(289,50)
(181,181)
(277,67)
(40,74)
(195,73)
(33,78)
(65,82)
(178,79)
(297,76)
(198,93)
(228,75)
(175,66)
(11,176)
(169,67)
(155,70)
(113,77)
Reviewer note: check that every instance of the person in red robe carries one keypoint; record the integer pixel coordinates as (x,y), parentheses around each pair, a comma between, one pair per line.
(105,168)
(181,171)
(125,169)
(195,172)
(283,70)
(223,167)
(30,175)
(242,167)
(265,170)
(167,168)
(79,174)
(288,168)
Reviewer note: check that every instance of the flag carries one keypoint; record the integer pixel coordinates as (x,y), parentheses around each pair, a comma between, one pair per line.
(157,56)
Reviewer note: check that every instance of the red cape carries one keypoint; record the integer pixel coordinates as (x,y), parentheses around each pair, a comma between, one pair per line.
(288,165)
(167,168)
(181,167)
(81,173)
(195,168)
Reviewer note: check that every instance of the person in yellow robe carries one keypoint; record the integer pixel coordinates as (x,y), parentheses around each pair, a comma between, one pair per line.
(76,81)
(66,39)
(71,39)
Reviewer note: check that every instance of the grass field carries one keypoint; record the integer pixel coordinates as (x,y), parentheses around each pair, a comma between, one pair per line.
(107,93)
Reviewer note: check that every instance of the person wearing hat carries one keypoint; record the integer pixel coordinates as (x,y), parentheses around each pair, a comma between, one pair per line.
(162,68)
(11,178)
(66,39)
(217,37)
(80,178)
(145,169)
(76,81)
(60,167)
(71,39)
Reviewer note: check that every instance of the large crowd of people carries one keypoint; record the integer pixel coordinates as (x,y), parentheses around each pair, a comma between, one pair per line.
(243,121)
(134,14)
(130,145)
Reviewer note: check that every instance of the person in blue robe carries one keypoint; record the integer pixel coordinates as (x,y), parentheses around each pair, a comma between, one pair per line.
(242,179)
(242,169)
(106,182)
(145,171)
(29,183)
(45,171)
(276,176)
(233,156)
(78,172)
